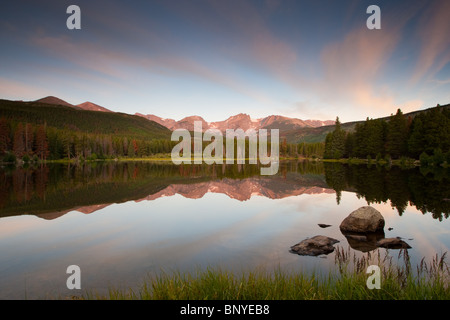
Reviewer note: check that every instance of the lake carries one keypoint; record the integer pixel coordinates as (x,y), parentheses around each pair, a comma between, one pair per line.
(121,221)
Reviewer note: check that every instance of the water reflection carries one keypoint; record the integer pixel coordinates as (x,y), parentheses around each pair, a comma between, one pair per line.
(426,189)
(158,216)
(50,191)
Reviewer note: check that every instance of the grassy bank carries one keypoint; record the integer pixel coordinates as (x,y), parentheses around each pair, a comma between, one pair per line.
(396,162)
(429,280)
(408,163)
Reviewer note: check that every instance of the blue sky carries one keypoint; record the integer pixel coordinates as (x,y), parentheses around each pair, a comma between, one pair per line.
(304,59)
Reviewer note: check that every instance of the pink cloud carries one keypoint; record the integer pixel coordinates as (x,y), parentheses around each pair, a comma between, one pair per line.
(253,41)
(177,65)
(90,56)
(359,56)
(10,89)
(122,66)
(434,33)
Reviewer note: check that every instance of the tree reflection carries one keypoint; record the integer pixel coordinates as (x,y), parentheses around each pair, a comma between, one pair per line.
(426,189)
(37,189)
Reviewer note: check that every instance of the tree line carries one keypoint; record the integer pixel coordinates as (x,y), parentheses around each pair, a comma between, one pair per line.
(39,142)
(30,142)
(302,150)
(426,137)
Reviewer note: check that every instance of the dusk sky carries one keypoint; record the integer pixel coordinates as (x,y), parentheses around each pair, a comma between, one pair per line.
(303,59)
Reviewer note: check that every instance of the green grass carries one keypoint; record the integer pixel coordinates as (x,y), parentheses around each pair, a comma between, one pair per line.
(430,280)
(410,163)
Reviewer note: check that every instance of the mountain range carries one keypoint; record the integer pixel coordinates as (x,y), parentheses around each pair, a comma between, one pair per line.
(292,129)
(83,118)
(82,106)
(242,120)
(241,190)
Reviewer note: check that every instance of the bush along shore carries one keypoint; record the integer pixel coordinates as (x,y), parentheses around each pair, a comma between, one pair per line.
(429,280)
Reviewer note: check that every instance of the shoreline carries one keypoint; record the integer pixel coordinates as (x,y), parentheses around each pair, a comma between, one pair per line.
(348,280)
(408,163)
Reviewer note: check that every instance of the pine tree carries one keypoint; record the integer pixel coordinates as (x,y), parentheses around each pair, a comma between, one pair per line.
(4,136)
(396,135)
(350,145)
(135,147)
(28,138)
(436,130)
(18,143)
(335,142)
(41,143)
(131,153)
(416,141)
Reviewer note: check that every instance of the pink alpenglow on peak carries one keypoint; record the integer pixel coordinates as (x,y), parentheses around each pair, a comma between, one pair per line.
(92,107)
(242,121)
(213,153)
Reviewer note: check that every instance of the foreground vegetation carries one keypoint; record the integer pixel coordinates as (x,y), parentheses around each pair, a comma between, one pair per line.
(429,280)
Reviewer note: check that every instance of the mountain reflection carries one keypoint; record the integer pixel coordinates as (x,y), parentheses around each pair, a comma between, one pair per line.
(53,190)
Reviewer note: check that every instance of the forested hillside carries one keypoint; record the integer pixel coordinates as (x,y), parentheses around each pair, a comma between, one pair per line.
(43,131)
(420,136)
(46,131)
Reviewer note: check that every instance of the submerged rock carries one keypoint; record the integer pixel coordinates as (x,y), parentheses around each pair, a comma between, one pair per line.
(314,246)
(393,243)
(363,220)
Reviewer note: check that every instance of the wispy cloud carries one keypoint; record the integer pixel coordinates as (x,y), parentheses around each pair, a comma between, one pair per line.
(87,55)
(11,89)
(254,54)
(121,66)
(434,33)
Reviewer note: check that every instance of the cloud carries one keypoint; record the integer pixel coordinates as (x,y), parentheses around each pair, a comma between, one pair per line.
(352,75)
(354,71)
(178,65)
(90,56)
(250,42)
(125,66)
(434,28)
(240,41)
(10,89)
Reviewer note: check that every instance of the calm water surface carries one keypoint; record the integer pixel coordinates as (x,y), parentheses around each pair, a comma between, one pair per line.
(120,222)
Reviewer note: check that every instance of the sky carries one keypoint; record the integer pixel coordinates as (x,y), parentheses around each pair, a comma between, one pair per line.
(303,59)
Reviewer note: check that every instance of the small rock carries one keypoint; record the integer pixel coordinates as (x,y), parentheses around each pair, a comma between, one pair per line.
(314,246)
(324,225)
(393,243)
